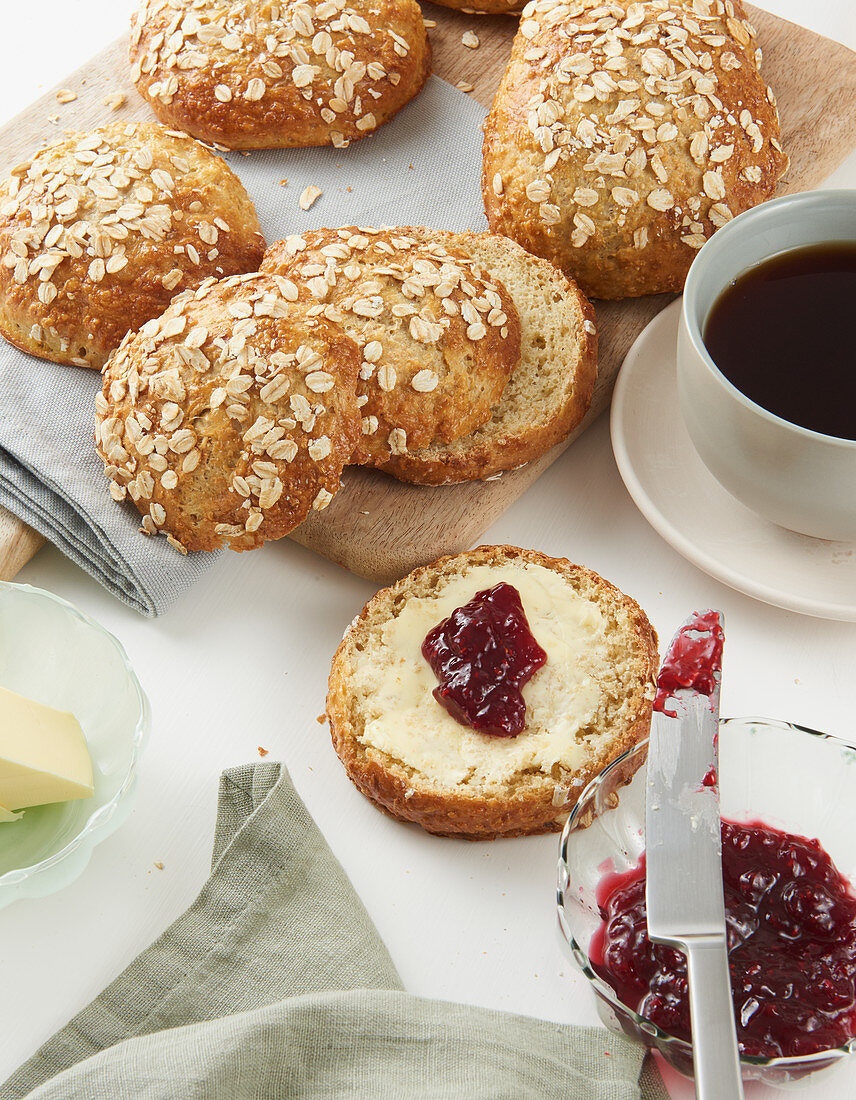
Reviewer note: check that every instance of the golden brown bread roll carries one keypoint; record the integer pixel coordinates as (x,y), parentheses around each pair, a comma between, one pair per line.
(551,388)
(589,703)
(228,418)
(101,230)
(624,132)
(258,74)
(440,337)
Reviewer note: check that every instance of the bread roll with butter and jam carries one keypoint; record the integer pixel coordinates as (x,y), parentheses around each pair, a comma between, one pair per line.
(588,702)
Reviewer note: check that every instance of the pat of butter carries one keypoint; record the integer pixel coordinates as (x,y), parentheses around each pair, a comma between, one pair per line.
(7,815)
(43,754)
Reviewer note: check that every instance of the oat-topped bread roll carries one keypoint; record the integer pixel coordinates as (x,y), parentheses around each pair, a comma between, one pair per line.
(228,418)
(440,337)
(624,133)
(256,74)
(519,764)
(101,230)
(551,388)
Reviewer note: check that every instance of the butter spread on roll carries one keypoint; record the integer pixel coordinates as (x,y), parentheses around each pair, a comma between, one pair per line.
(588,703)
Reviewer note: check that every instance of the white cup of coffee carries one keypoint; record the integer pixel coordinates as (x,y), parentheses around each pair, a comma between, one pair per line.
(797,477)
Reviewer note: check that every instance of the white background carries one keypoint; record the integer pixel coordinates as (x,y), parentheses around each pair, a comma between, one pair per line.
(242,662)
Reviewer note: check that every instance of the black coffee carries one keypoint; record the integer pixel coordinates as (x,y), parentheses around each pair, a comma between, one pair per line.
(784,334)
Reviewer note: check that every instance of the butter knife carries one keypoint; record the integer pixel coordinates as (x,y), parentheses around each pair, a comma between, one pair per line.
(684,893)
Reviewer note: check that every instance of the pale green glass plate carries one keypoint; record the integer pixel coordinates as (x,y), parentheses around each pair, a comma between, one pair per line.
(51,652)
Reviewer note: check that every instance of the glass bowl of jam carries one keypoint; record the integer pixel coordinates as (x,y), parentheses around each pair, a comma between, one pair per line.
(788,802)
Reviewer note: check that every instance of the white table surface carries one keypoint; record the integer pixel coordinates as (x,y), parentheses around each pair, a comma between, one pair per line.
(242,662)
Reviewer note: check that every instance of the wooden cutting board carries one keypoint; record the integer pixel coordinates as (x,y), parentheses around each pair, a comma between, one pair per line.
(378,527)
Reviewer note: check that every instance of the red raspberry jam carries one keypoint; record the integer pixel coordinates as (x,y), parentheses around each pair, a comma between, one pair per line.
(482,655)
(791,920)
(694,657)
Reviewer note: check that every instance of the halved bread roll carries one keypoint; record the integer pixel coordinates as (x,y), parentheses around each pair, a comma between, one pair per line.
(551,388)
(588,704)
(440,338)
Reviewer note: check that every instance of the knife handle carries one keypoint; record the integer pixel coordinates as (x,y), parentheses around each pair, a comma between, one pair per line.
(716,1057)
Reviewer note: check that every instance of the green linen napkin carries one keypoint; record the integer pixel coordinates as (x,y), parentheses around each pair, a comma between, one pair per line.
(275,984)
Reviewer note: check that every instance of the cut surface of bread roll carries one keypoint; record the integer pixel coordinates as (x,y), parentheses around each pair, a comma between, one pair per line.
(589,703)
(229,418)
(257,74)
(99,231)
(440,338)
(549,392)
(624,133)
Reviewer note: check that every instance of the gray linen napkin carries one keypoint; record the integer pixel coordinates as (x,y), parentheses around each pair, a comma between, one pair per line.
(423,168)
(275,984)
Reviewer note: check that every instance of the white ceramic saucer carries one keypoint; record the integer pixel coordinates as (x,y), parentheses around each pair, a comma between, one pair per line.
(694,514)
